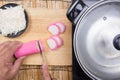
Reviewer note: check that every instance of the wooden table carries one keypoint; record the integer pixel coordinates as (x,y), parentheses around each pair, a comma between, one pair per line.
(34,72)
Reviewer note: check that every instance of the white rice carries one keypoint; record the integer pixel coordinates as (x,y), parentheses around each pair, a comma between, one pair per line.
(12,20)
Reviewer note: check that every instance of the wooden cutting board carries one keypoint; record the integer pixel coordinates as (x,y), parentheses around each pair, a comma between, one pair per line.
(39,19)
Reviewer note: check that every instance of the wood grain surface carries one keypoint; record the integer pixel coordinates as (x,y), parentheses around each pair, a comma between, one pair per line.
(58,4)
(39,20)
(33,72)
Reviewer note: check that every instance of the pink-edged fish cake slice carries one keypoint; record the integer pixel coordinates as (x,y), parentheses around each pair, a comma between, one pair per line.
(54,29)
(52,43)
(61,26)
(58,39)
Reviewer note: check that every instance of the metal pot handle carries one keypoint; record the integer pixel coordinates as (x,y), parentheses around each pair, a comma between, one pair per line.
(74,10)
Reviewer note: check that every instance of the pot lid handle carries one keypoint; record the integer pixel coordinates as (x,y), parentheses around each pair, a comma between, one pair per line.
(116,42)
(74,10)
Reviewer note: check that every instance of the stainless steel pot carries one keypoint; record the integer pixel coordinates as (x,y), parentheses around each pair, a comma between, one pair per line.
(97,38)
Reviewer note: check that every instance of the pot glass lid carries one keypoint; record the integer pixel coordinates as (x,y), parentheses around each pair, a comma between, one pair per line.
(94,39)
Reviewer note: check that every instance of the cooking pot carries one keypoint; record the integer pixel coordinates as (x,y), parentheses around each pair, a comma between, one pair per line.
(97,37)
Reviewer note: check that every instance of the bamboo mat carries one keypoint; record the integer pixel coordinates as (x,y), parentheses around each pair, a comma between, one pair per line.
(35,73)
(59,4)
(29,72)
